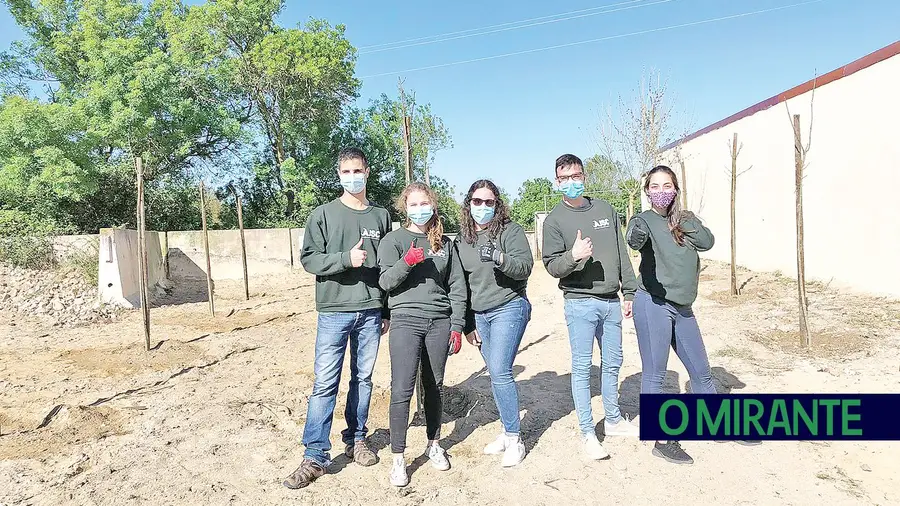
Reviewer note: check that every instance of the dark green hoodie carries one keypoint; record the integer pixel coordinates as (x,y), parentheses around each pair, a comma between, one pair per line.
(602,274)
(435,288)
(332,231)
(667,270)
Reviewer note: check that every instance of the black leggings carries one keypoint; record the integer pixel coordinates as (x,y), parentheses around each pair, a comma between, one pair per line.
(408,336)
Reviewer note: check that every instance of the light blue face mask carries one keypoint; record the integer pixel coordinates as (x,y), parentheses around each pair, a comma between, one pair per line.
(482,214)
(420,214)
(572,189)
(353,183)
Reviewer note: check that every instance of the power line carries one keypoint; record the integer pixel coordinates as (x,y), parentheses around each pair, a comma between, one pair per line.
(495,26)
(601,39)
(421,41)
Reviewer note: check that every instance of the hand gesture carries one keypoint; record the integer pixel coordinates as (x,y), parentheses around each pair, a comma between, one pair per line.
(414,255)
(489,253)
(473,338)
(455,342)
(582,248)
(358,255)
(638,233)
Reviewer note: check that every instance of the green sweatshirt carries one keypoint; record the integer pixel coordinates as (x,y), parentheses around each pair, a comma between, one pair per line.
(332,231)
(435,288)
(667,270)
(492,285)
(602,274)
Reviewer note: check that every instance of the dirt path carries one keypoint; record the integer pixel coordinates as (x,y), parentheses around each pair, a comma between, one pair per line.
(215,413)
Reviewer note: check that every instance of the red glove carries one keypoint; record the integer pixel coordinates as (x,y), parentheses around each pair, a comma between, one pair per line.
(455,342)
(414,255)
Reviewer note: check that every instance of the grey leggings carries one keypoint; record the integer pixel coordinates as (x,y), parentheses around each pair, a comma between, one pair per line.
(660,324)
(409,337)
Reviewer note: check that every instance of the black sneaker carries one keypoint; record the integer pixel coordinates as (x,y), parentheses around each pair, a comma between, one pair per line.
(672,452)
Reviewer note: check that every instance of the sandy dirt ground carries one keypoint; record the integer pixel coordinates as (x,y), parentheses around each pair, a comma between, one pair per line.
(214,414)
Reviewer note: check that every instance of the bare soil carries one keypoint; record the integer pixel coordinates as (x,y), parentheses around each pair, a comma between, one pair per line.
(214,413)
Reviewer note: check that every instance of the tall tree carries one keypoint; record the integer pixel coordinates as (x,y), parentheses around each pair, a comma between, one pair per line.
(635,127)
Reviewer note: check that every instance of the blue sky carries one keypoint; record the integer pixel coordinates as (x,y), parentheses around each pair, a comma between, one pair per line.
(511,117)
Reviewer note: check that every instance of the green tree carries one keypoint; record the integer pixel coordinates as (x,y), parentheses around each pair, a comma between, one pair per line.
(534,195)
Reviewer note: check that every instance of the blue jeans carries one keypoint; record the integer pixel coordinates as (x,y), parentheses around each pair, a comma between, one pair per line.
(599,319)
(501,330)
(660,325)
(363,331)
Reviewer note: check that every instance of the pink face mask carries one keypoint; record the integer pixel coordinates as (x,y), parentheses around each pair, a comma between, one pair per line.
(662,199)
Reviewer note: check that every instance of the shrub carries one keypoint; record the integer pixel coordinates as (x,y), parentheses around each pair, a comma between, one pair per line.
(25,240)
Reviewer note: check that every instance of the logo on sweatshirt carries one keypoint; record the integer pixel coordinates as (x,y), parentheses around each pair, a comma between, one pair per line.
(442,253)
(604,223)
(370,234)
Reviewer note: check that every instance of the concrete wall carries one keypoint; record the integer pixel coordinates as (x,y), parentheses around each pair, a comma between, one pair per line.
(119,267)
(269,251)
(854,157)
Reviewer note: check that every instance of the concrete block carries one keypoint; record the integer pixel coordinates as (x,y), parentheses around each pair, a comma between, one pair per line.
(269,251)
(119,266)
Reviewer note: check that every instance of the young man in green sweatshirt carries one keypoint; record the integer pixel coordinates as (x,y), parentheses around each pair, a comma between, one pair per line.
(340,245)
(583,247)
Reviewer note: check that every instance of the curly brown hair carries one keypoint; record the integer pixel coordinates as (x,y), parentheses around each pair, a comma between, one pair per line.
(434,228)
(501,213)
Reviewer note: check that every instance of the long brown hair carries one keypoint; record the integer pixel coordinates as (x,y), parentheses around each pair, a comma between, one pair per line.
(467,223)
(674,214)
(434,227)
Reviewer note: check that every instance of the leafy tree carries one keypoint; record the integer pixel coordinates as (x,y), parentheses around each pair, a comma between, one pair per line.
(534,195)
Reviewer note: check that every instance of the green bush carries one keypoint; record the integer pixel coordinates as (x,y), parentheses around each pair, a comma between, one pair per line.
(84,262)
(25,240)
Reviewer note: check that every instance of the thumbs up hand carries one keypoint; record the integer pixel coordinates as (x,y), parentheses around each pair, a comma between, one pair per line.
(582,248)
(358,255)
(414,255)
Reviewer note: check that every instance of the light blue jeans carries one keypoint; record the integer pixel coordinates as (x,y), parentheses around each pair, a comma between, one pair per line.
(599,319)
(362,329)
(501,330)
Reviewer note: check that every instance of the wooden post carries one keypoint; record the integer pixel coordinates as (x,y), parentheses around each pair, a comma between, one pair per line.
(734,175)
(799,160)
(684,195)
(209,282)
(240,218)
(407,148)
(143,278)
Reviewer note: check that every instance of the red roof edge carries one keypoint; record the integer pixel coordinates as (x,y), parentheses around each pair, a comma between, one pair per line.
(851,68)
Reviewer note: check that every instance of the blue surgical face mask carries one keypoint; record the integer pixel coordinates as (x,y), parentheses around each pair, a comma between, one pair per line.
(482,214)
(572,189)
(420,214)
(353,183)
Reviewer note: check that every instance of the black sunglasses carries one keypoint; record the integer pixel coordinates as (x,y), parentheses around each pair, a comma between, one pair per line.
(483,202)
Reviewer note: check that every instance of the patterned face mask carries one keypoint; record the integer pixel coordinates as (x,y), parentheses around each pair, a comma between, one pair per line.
(662,199)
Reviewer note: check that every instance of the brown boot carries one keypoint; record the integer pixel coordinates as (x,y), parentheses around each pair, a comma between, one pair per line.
(361,454)
(307,473)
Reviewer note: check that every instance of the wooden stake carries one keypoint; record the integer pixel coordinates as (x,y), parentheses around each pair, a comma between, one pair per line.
(143,278)
(407,148)
(240,218)
(799,159)
(734,175)
(684,194)
(209,282)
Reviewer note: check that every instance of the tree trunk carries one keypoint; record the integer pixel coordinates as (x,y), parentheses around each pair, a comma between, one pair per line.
(734,283)
(799,160)
(684,195)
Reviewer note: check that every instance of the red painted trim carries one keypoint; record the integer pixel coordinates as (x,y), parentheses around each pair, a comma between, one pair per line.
(851,68)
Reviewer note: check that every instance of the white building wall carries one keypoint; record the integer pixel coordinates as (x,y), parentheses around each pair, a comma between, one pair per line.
(852,226)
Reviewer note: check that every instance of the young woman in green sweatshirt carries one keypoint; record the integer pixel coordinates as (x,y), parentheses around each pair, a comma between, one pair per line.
(423,277)
(497,261)
(669,240)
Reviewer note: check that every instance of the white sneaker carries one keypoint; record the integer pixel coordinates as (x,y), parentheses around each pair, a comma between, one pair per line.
(622,428)
(592,447)
(498,446)
(438,457)
(399,478)
(514,453)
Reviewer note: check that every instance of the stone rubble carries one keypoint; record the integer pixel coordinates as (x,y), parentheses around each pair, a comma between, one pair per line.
(61,296)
